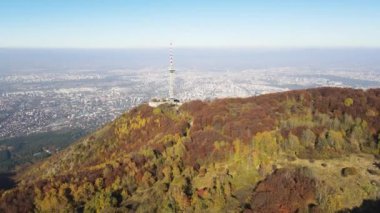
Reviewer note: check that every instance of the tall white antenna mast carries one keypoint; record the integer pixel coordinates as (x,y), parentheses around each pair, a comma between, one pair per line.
(171,73)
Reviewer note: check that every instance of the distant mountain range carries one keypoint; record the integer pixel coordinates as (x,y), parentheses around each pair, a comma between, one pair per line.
(314,150)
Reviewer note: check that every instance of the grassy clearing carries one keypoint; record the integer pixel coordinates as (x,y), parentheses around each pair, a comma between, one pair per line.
(336,191)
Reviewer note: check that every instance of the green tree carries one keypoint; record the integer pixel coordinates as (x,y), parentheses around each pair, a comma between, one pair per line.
(322,143)
(308,138)
(237,149)
(265,142)
(348,102)
(4,155)
(99,183)
(335,139)
(292,144)
(101,201)
(107,171)
(84,192)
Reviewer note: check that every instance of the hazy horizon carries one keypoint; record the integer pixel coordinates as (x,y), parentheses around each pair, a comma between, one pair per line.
(23,60)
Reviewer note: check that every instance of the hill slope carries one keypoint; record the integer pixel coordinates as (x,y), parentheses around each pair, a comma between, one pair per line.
(309,150)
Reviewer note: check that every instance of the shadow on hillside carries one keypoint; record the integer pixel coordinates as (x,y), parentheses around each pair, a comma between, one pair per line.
(6,181)
(368,206)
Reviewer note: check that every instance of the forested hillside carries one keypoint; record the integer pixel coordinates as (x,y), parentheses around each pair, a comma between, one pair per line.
(313,150)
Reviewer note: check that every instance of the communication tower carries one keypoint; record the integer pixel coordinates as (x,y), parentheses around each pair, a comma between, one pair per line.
(171,73)
(155,102)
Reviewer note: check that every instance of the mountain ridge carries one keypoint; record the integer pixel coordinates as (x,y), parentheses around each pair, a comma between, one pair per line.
(216,155)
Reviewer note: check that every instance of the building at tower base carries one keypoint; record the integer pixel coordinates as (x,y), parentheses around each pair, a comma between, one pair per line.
(155,102)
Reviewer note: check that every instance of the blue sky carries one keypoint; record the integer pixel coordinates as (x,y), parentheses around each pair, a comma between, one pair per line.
(196,23)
